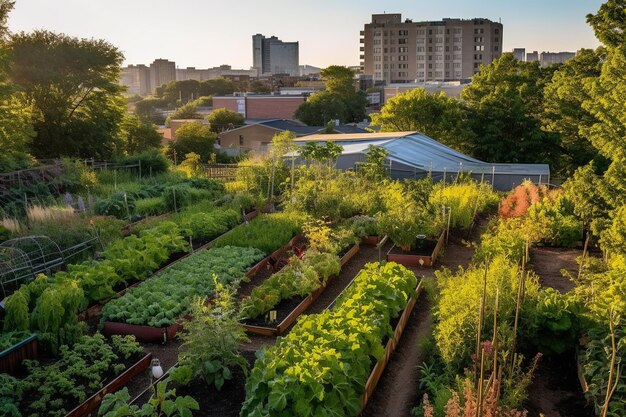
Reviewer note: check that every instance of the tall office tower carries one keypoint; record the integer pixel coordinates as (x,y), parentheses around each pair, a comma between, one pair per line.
(273,56)
(162,72)
(397,51)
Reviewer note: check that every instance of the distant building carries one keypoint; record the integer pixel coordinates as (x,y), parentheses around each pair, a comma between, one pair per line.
(223,71)
(532,56)
(260,106)
(450,89)
(520,54)
(309,70)
(273,56)
(550,58)
(257,137)
(136,79)
(162,72)
(397,51)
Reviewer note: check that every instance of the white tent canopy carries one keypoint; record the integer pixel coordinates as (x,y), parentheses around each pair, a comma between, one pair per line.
(413,155)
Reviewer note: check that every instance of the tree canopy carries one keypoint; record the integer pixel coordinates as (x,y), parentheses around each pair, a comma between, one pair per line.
(193,137)
(139,136)
(435,115)
(224,119)
(73,85)
(339,100)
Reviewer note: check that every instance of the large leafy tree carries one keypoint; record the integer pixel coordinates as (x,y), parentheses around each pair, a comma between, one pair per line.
(436,115)
(16,130)
(73,86)
(224,119)
(564,112)
(193,138)
(505,101)
(139,136)
(340,99)
(321,108)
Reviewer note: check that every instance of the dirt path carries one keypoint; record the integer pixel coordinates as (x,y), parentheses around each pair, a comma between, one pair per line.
(555,391)
(548,264)
(398,389)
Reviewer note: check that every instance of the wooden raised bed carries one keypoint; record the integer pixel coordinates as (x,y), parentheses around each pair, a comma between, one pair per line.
(149,334)
(348,255)
(412,260)
(370,240)
(378,369)
(93,402)
(96,309)
(282,327)
(11,359)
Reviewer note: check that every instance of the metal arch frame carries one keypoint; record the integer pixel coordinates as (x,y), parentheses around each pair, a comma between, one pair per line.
(13,268)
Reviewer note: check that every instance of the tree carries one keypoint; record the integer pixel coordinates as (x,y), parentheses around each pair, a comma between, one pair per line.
(216,87)
(505,102)
(16,129)
(257,86)
(609,23)
(435,115)
(73,85)
(224,119)
(186,111)
(147,110)
(321,108)
(340,99)
(193,138)
(564,112)
(139,136)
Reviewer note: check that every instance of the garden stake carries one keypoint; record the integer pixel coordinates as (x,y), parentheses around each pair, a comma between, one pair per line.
(580,267)
(482,311)
(479,400)
(518,303)
(495,330)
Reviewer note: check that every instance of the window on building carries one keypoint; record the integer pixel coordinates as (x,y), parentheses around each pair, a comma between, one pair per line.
(420,49)
(457,65)
(476,64)
(430,74)
(458,31)
(497,31)
(458,39)
(447,65)
(439,48)
(496,39)
(457,57)
(447,74)
(403,49)
(420,65)
(403,41)
(479,47)
(421,31)
(403,33)
(439,40)
(430,31)
(420,74)
(478,39)
(439,65)
(439,57)
(421,41)
(421,57)
(438,74)
(403,74)
(495,48)
(403,58)
(240,140)
(430,66)
(457,74)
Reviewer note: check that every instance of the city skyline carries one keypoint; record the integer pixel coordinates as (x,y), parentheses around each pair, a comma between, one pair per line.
(196,34)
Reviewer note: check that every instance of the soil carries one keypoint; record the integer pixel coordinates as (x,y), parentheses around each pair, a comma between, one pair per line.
(556,391)
(550,263)
(224,403)
(283,309)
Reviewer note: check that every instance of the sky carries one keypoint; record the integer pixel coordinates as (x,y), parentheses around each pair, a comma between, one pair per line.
(209,33)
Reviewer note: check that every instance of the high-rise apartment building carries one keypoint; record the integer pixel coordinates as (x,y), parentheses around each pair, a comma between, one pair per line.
(397,51)
(162,72)
(550,58)
(136,79)
(532,56)
(520,54)
(273,56)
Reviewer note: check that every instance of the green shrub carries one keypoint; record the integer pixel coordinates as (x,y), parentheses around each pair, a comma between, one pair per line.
(267,232)
(152,162)
(465,200)
(150,206)
(120,205)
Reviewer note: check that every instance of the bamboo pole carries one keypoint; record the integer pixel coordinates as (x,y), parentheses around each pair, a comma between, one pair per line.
(481,316)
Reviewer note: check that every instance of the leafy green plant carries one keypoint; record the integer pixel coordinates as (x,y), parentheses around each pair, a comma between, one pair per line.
(267,232)
(163,402)
(465,200)
(160,301)
(322,365)
(55,389)
(299,278)
(120,205)
(363,226)
(150,206)
(211,339)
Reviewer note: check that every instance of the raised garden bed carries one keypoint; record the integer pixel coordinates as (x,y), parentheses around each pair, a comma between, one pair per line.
(370,240)
(93,402)
(287,311)
(149,334)
(11,359)
(424,257)
(379,368)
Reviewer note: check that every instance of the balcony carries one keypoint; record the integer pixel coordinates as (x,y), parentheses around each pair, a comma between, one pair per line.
(361,56)
(362,49)
(362,33)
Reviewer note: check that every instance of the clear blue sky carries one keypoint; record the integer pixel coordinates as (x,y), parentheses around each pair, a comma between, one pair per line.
(205,33)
